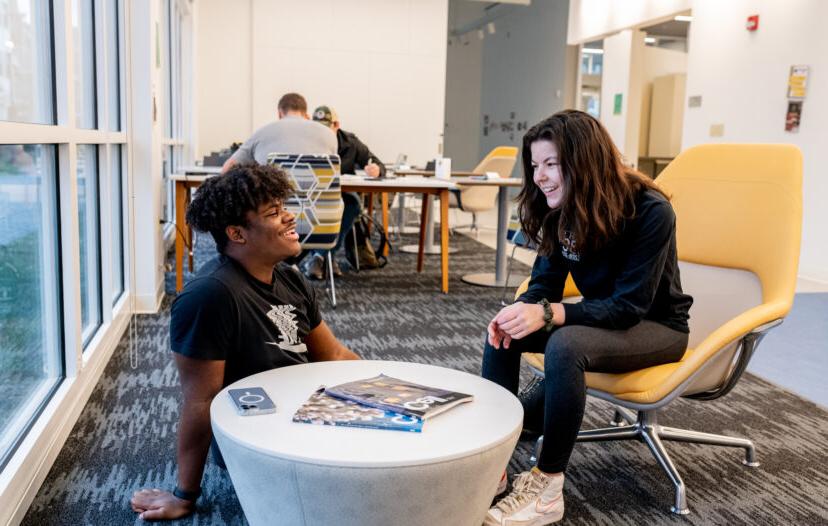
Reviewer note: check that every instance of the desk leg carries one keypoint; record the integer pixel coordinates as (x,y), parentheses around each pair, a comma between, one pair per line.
(444,236)
(384,201)
(423,221)
(370,211)
(430,247)
(180,204)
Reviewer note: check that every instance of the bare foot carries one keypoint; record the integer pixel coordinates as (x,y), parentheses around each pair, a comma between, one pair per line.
(155,504)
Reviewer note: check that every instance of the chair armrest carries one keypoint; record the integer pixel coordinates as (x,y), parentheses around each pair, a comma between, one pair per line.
(729,332)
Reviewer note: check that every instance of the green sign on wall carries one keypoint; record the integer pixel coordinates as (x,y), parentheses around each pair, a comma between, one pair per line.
(616,107)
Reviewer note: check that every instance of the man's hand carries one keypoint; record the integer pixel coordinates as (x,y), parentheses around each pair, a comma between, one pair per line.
(154,504)
(519,319)
(372,169)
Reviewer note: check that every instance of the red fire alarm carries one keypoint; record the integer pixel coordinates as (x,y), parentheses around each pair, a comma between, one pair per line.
(752,23)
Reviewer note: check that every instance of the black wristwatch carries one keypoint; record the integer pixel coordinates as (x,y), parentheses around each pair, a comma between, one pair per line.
(548,316)
(191,496)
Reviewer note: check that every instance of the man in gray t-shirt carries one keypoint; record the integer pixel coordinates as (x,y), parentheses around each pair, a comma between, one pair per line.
(292,133)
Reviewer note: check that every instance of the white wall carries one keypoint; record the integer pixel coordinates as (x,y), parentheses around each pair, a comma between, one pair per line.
(380,63)
(464,88)
(742,78)
(223,58)
(524,70)
(657,62)
(623,62)
(518,75)
(592,19)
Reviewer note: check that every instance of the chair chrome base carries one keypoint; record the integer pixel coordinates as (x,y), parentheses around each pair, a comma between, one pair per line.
(645,427)
(331,277)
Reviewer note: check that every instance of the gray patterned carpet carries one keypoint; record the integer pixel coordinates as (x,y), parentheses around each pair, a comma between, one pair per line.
(124,439)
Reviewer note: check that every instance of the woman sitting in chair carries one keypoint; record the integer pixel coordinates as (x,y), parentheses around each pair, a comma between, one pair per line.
(615,232)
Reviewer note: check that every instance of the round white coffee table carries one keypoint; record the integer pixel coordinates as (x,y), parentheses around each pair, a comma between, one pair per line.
(303,474)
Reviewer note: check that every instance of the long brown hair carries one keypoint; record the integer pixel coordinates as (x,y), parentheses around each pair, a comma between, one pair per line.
(599,191)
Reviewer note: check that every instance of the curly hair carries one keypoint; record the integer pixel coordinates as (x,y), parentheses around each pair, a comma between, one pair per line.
(599,191)
(224,200)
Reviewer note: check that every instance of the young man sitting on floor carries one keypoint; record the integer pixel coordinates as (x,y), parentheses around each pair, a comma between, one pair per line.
(246,312)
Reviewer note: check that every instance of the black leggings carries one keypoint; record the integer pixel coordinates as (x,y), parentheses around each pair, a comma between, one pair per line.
(570,351)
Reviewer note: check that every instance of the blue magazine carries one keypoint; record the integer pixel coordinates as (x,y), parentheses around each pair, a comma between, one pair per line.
(322,409)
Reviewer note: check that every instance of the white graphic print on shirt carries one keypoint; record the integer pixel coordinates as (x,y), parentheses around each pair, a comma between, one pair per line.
(283,318)
(569,248)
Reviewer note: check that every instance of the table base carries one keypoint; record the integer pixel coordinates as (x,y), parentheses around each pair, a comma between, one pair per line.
(433,250)
(487,279)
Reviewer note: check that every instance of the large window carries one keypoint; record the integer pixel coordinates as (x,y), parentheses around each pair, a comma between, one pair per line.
(63,199)
(83,35)
(113,52)
(26,62)
(173,122)
(89,235)
(116,223)
(30,298)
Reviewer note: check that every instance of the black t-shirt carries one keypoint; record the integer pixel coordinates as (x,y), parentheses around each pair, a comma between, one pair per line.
(634,277)
(227,314)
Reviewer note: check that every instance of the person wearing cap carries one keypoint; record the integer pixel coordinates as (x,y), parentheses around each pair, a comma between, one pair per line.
(294,133)
(353,155)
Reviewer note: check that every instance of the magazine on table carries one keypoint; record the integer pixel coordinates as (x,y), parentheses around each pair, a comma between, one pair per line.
(399,396)
(322,409)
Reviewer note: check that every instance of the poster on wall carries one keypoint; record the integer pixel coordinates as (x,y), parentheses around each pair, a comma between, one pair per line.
(507,126)
(798,82)
(617,102)
(793,116)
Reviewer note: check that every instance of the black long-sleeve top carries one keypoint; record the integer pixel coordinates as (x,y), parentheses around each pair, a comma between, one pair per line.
(635,276)
(354,154)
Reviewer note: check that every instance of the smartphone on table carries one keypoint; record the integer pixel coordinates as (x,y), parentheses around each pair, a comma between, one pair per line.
(251,401)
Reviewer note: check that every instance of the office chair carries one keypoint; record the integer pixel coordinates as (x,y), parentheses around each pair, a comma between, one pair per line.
(316,201)
(739,220)
(474,199)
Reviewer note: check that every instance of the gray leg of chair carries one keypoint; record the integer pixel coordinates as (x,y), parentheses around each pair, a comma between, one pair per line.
(650,436)
(622,416)
(538,446)
(331,276)
(610,433)
(356,248)
(684,435)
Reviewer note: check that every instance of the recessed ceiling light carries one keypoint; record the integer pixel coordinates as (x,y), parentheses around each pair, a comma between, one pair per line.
(649,40)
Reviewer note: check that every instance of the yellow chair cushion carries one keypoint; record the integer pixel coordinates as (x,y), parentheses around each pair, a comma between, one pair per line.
(636,386)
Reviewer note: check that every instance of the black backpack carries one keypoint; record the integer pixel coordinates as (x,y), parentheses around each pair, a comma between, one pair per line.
(368,256)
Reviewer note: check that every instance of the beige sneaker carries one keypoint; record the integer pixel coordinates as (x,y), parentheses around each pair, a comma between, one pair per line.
(536,500)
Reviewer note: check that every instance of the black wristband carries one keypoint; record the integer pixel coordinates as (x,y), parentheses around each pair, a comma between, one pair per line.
(191,496)
(547,315)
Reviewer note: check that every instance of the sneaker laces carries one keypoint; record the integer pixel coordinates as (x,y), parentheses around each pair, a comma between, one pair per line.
(527,485)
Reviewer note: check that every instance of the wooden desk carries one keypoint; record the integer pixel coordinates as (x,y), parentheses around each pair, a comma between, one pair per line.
(199,170)
(183,233)
(430,173)
(412,185)
(183,184)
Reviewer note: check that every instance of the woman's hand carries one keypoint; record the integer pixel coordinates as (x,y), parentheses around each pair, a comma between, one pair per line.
(519,320)
(496,336)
